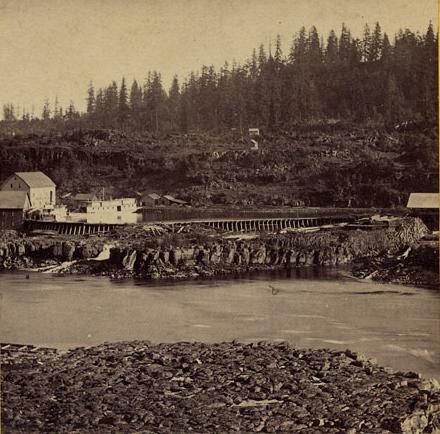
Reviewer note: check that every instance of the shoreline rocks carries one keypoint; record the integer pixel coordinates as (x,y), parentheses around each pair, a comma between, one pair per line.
(417,265)
(136,254)
(225,387)
(18,250)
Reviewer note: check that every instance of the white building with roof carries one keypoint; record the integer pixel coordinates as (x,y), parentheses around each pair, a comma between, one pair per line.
(39,187)
(112,211)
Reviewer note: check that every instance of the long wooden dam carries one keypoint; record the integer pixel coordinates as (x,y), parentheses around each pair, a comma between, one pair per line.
(225,224)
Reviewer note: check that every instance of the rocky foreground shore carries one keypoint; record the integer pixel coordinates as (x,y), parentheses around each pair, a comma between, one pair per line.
(132,387)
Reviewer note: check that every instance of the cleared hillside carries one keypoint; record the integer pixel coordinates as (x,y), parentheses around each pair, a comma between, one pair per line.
(339,165)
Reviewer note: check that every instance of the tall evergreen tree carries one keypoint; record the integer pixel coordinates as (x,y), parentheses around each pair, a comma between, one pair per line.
(56,109)
(155,99)
(253,65)
(99,107)
(299,47)
(345,44)
(429,72)
(9,113)
(90,99)
(45,115)
(111,101)
(278,56)
(331,52)
(135,103)
(71,113)
(376,44)
(365,45)
(174,103)
(262,57)
(123,109)
(386,52)
(313,53)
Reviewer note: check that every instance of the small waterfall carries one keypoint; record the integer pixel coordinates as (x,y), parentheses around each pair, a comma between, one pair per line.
(105,254)
(129,260)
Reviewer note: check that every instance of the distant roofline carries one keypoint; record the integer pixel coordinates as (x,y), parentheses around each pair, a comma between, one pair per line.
(42,180)
(13,199)
(113,200)
(423,200)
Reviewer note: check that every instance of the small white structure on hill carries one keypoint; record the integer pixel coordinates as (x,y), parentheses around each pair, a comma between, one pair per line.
(38,186)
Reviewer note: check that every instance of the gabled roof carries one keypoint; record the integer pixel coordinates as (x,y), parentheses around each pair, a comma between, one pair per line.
(13,200)
(35,179)
(153,196)
(423,200)
(146,194)
(173,199)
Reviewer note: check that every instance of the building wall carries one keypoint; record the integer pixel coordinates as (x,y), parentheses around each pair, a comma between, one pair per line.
(147,201)
(39,197)
(117,205)
(14,183)
(11,218)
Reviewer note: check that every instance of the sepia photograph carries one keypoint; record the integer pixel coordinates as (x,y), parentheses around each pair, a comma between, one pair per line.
(219,216)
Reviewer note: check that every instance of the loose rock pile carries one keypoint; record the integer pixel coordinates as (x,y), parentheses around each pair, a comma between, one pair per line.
(417,266)
(212,388)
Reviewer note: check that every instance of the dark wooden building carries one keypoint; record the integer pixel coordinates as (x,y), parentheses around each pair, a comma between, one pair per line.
(13,205)
(425,206)
(150,199)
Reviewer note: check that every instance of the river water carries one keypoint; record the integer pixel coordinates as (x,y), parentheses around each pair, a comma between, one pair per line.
(397,325)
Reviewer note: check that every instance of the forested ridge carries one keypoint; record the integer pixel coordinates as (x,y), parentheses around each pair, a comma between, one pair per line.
(346,122)
(278,87)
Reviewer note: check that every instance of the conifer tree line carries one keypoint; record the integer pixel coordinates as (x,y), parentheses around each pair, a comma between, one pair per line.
(341,77)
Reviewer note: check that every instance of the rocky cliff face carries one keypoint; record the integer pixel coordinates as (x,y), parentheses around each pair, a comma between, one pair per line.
(351,164)
(186,258)
(30,252)
(220,256)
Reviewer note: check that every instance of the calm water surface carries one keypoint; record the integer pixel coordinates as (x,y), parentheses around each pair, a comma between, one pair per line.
(400,326)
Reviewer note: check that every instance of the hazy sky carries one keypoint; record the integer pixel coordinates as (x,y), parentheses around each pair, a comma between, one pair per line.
(55,47)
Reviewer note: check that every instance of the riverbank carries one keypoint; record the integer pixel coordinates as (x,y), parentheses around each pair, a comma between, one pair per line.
(417,266)
(225,387)
(133,251)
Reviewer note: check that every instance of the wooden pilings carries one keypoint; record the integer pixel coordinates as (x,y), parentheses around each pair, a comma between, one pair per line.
(69,228)
(234,225)
(260,224)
